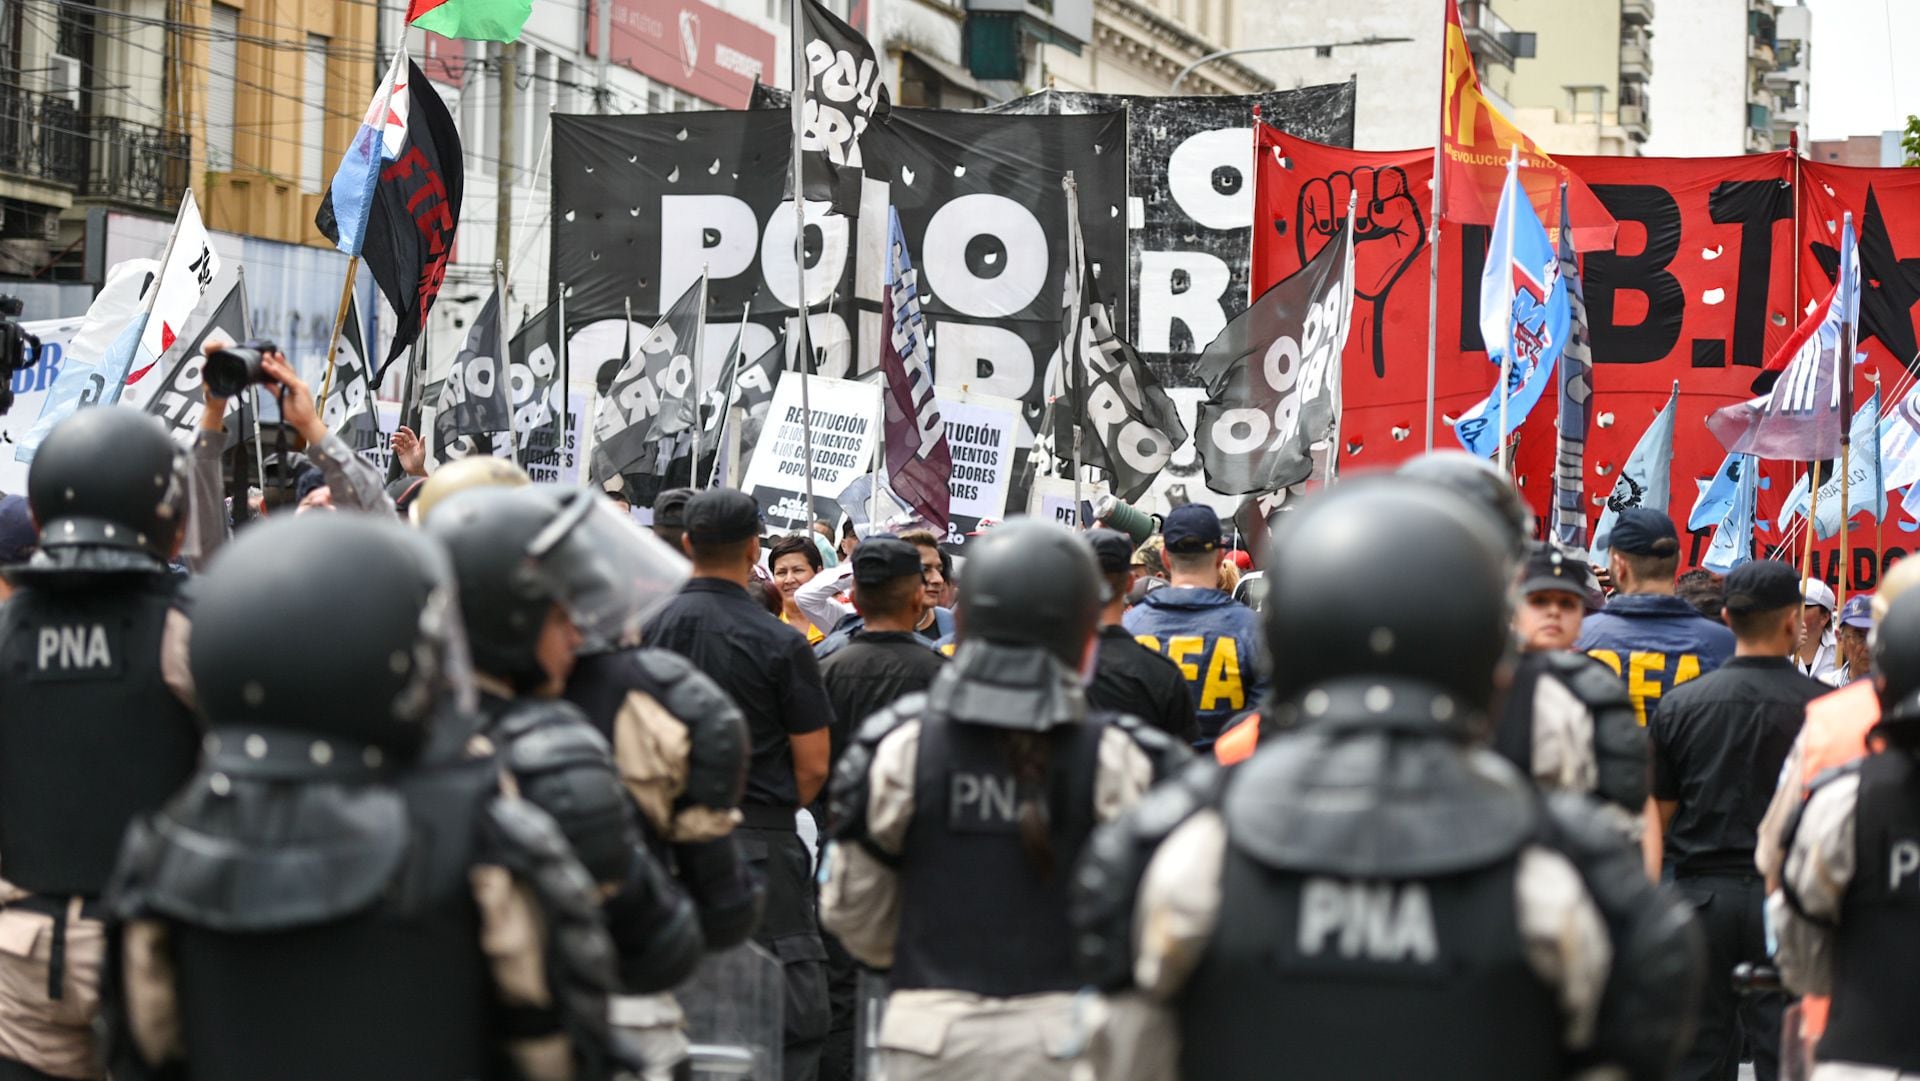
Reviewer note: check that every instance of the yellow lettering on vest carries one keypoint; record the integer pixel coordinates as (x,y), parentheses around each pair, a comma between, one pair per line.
(1607,657)
(1148,641)
(1640,688)
(1182,646)
(1686,668)
(1223,677)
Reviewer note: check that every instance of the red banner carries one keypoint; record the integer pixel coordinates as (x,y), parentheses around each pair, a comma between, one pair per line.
(685,43)
(1700,288)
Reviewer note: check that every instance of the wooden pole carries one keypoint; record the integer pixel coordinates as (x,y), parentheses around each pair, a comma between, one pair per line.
(333,343)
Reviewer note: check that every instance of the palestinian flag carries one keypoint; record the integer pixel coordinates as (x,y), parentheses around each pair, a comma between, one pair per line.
(476,20)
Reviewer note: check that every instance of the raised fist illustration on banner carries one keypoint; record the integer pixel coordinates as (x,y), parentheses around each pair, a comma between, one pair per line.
(1389,233)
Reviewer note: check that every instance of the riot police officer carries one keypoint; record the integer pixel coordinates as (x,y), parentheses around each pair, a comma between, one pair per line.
(321,901)
(1371,894)
(96,719)
(958,816)
(1847,913)
(538,569)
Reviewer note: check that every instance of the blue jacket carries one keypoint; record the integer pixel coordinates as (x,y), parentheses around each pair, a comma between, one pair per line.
(1654,643)
(1214,639)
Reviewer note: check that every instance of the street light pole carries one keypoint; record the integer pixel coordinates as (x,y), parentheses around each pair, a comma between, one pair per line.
(1244,50)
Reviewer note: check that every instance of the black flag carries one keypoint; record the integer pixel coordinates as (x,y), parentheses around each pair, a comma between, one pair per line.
(1272,377)
(474,397)
(844,93)
(1132,424)
(416,208)
(538,399)
(651,396)
(349,409)
(180,399)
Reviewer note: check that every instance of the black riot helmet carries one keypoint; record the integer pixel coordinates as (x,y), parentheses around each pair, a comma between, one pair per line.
(1896,658)
(107,482)
(343,625)
(1031,583)
(519,551)
(1480,483)
(1385,577)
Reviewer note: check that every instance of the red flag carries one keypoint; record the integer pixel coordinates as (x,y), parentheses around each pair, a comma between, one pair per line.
(1475,141)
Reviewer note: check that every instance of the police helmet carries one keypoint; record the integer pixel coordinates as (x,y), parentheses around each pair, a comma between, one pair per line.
(333,624)
(1896,657)
(1480,483)
(1383,576)
(108,477)
(475,471)
(518,551)
(1031,583)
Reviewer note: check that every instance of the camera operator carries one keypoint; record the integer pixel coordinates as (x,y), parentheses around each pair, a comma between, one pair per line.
(352,483)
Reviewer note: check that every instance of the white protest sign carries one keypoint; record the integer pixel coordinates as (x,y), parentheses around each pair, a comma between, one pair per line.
(1052,499)
(548,464)
(30,391)
(981,434)
(846,430)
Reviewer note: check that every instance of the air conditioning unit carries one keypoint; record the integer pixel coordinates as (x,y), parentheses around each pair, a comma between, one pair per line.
(63,78)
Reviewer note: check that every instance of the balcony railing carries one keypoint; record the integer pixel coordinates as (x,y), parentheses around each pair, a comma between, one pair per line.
(46,138)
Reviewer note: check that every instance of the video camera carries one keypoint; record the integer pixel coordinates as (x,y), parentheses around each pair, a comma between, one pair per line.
(17,348)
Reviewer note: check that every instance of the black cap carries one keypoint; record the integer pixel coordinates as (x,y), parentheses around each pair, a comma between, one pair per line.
(722,516)
(882,559)
(1192,528)
(1548,569)
(1643,531)
(670,508)
(1762,586)
(1112,549)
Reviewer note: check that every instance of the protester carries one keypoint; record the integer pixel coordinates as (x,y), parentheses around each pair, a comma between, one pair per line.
(1851,634)
(409,450)
(960,814)
(342,903)
(669,515)
(882,662)
(1127,676)
(936,566)
(1293,916)
(1843,915)
(618,497)
(793,561)
(1567,722)
(1653,640)
(1704,590)
(769,671)
(536,573)
(1718,744)
(1214,641)
(1815,656)
(96,721)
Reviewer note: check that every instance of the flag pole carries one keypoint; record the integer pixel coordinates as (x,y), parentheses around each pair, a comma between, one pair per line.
(803,349)
(501,366)
(339,322)
(1433,245)
(699,373)
(1813,519)
(1506,349)
(1339,373)
(566,388)
(1073,362)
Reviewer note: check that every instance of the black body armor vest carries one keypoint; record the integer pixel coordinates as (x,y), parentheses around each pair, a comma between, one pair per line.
(1876,960)
(90,734)
(976,913)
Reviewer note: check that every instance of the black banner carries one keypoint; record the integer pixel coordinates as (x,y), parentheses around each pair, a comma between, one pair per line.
(1190,203)
(416,210)
(642,203)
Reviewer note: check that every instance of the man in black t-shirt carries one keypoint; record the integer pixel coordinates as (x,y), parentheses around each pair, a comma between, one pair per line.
(771,673)
(885,660)
(1127,676)
(1718,743)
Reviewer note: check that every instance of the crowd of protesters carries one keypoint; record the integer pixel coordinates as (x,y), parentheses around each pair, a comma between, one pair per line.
(1262,804)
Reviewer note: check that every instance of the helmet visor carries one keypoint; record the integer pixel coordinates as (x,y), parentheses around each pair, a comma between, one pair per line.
(609,574)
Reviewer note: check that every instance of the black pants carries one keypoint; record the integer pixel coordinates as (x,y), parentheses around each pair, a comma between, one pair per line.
(1730,908)
(790,930)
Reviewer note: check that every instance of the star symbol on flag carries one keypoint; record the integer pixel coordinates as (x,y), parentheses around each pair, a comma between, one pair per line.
(1889,288)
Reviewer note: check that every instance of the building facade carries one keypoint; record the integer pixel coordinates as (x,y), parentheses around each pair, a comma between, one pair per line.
(1397,82)
(1584,91)
(1717,78)
(1788,81)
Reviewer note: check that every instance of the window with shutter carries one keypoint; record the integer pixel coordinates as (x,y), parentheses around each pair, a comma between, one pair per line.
(223,58)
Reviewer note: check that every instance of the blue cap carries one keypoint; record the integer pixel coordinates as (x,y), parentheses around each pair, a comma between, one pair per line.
(1643,531)
(1192,528)
(18,537)
(1858,612)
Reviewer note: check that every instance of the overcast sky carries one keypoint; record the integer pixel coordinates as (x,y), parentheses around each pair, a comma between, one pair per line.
(1851,92)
